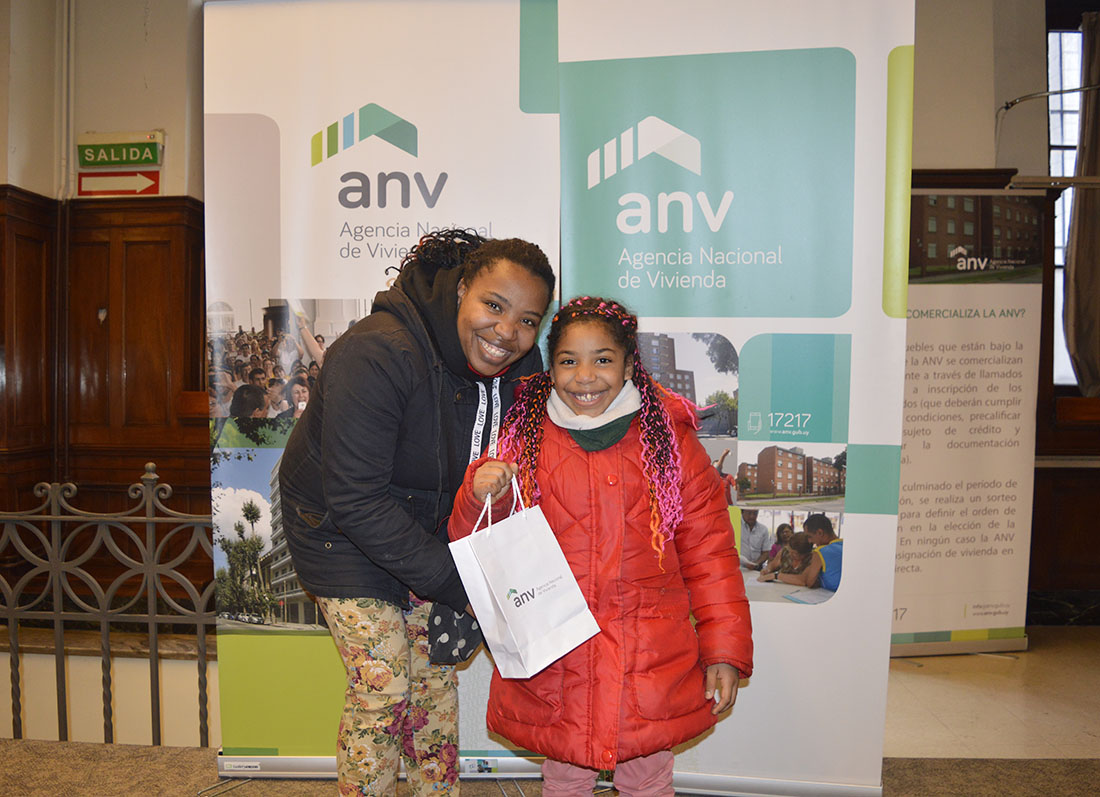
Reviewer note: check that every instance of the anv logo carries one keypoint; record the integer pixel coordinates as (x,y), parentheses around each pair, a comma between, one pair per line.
(642,212)
(520,598)
(958,250)
(653,136)
(373,120)
(360,189)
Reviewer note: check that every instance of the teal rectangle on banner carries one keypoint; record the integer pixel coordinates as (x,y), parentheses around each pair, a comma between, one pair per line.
(538,56)
(794,388)
(874,473)
(685,201)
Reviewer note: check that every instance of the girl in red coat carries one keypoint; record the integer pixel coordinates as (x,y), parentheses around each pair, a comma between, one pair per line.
(640,513)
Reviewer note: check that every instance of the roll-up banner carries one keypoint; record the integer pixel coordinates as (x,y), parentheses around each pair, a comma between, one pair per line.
(964,525)
(336,135)
(736,173)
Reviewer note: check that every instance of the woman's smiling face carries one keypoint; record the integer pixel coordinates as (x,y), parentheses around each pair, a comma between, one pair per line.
(589,368)
(499,313)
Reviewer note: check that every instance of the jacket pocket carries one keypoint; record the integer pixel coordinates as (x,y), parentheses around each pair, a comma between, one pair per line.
(531,701)
(311,518)
(666,681)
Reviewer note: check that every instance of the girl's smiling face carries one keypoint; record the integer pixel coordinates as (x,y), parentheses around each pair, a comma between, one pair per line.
(588,368)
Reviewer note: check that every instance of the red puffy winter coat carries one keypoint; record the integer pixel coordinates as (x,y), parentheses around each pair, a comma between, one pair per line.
(637,687)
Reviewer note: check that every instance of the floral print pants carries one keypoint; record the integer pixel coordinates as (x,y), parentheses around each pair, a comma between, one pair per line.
(398,706)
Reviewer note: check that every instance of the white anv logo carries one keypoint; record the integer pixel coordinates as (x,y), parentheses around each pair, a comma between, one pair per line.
(958,250)
(654,136)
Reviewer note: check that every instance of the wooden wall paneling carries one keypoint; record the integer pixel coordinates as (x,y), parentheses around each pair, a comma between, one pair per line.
(143,259)
(1063,553)
(88,321)
(153,304)
(141,262)
(30,348)
(28,231)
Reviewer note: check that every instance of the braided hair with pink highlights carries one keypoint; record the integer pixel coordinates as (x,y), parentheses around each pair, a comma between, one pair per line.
(521,432)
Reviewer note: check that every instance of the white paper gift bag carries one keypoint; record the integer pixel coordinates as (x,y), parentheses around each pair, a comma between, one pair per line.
(527,601)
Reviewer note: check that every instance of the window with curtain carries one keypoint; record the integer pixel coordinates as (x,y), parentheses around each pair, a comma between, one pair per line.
(1063,72)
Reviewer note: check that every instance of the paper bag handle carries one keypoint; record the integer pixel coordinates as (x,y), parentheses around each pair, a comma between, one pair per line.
(517,499)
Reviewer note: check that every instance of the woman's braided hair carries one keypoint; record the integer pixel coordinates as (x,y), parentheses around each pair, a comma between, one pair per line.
(465,249)
(521,433)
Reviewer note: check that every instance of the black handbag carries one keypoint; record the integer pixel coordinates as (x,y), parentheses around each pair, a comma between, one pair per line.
(452,636)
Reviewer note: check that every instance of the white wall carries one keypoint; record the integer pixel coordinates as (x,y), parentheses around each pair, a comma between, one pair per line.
(1019,68)
(5,89)
(137,65)
(953,85)
(971,57)
(29,129)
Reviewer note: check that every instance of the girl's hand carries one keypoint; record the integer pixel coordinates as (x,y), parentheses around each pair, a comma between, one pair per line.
(722,681)
(493,478)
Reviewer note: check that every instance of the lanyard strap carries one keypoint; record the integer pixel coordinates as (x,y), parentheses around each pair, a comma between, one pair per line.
(479,422)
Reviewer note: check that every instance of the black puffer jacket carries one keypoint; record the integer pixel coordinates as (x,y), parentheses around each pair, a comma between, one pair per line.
(370,471)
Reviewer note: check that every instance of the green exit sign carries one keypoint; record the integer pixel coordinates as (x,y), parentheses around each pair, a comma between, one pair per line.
(133,153)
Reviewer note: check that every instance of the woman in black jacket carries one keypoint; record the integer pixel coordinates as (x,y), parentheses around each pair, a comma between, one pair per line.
(406,399)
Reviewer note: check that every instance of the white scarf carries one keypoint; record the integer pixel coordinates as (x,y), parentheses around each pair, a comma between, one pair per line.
(629,400)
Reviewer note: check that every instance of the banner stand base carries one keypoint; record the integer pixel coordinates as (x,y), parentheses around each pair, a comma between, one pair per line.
(276,766)
(516,767)
(470,767)
(949,647)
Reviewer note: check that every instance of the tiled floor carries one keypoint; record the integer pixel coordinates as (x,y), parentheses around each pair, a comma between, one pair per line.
(1039,703)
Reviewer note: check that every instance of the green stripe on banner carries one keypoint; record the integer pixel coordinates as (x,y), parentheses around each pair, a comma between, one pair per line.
(970,635)
(1007,633)
(874,474)
(967,635)
(255,672)
(538,56)
(899,167)
(333,134)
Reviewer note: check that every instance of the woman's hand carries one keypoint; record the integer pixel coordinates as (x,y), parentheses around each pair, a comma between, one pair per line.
(493,478)
(722,681)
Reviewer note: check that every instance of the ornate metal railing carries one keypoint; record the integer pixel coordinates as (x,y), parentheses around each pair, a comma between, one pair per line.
(62,567)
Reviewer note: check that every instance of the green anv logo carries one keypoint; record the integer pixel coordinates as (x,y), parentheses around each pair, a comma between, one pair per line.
(369,120)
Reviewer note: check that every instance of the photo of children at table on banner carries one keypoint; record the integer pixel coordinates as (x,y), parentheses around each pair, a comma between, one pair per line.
(787,507)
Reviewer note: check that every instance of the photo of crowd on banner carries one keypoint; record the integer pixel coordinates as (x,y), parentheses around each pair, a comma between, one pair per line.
(261,372)
(269,371)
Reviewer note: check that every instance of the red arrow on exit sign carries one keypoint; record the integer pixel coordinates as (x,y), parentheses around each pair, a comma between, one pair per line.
(118,183)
